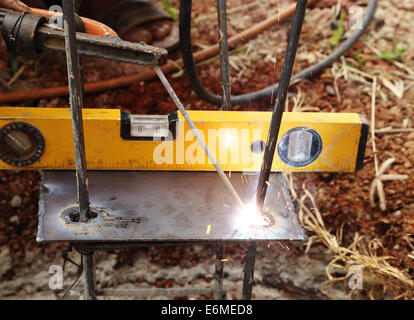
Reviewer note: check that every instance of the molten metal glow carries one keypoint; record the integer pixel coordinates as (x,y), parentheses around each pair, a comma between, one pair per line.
(250,217)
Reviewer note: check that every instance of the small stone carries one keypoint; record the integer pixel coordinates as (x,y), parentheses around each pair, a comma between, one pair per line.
(411,136)
(397,213)
(330,90)
(15,219)
(409,144)
(406,123)
(396,247)
(6,261)
(16,201)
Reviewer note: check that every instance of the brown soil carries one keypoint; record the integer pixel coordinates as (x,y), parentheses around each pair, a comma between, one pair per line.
(343,198)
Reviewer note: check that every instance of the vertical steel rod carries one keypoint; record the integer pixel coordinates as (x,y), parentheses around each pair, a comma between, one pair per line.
(249,271)
(90,284)
(280,101)
(219,293)
(224,55)
(77,99)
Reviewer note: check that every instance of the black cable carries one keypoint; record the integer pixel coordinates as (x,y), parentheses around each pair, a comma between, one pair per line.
(268,92)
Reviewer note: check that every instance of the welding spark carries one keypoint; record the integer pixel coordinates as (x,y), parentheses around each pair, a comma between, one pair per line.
(208,229)
(250,217)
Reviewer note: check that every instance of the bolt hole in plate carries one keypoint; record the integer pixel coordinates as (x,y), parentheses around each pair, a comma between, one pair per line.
(71,215)
(138,206)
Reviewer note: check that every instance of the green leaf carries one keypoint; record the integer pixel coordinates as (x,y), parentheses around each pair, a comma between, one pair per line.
(339,30)
(14,63)
(393,54)
(173,12)
(359,57)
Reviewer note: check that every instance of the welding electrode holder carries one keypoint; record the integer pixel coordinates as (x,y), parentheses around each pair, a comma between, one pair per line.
(29,34)
(19,31)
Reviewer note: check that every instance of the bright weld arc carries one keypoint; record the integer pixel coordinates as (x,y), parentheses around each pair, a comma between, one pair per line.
(249,216)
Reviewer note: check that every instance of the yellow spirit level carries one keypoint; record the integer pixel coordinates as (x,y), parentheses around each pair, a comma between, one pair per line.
(41,138)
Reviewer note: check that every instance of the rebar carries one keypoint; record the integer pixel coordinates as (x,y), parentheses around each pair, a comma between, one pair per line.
(224,55)
(77,98)
(272,137)
(249,271)
(218,292)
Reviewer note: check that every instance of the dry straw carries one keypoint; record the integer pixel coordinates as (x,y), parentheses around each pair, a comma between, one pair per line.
(377,271)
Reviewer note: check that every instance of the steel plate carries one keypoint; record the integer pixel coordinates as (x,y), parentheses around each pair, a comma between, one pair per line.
(136,206)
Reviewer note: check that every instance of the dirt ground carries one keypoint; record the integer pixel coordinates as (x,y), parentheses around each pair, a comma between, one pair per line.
(380,66)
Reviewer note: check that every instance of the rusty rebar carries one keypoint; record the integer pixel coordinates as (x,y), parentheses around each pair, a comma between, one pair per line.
(77,98)
(224,55)
(218,292)
(272,137)
(249,271)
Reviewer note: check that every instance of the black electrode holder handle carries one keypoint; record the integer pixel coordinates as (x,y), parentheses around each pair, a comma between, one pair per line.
(19,31)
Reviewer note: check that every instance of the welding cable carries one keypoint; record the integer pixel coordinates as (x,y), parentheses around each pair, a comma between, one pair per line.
(99,86)
(268,92)
(90,26)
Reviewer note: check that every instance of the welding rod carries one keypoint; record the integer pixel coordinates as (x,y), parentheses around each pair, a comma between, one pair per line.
(200,139)
(272,137)
(224,55)
(77,98)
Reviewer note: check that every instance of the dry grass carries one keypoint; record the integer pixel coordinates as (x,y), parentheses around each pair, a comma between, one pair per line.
(379,277)
(377,271)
